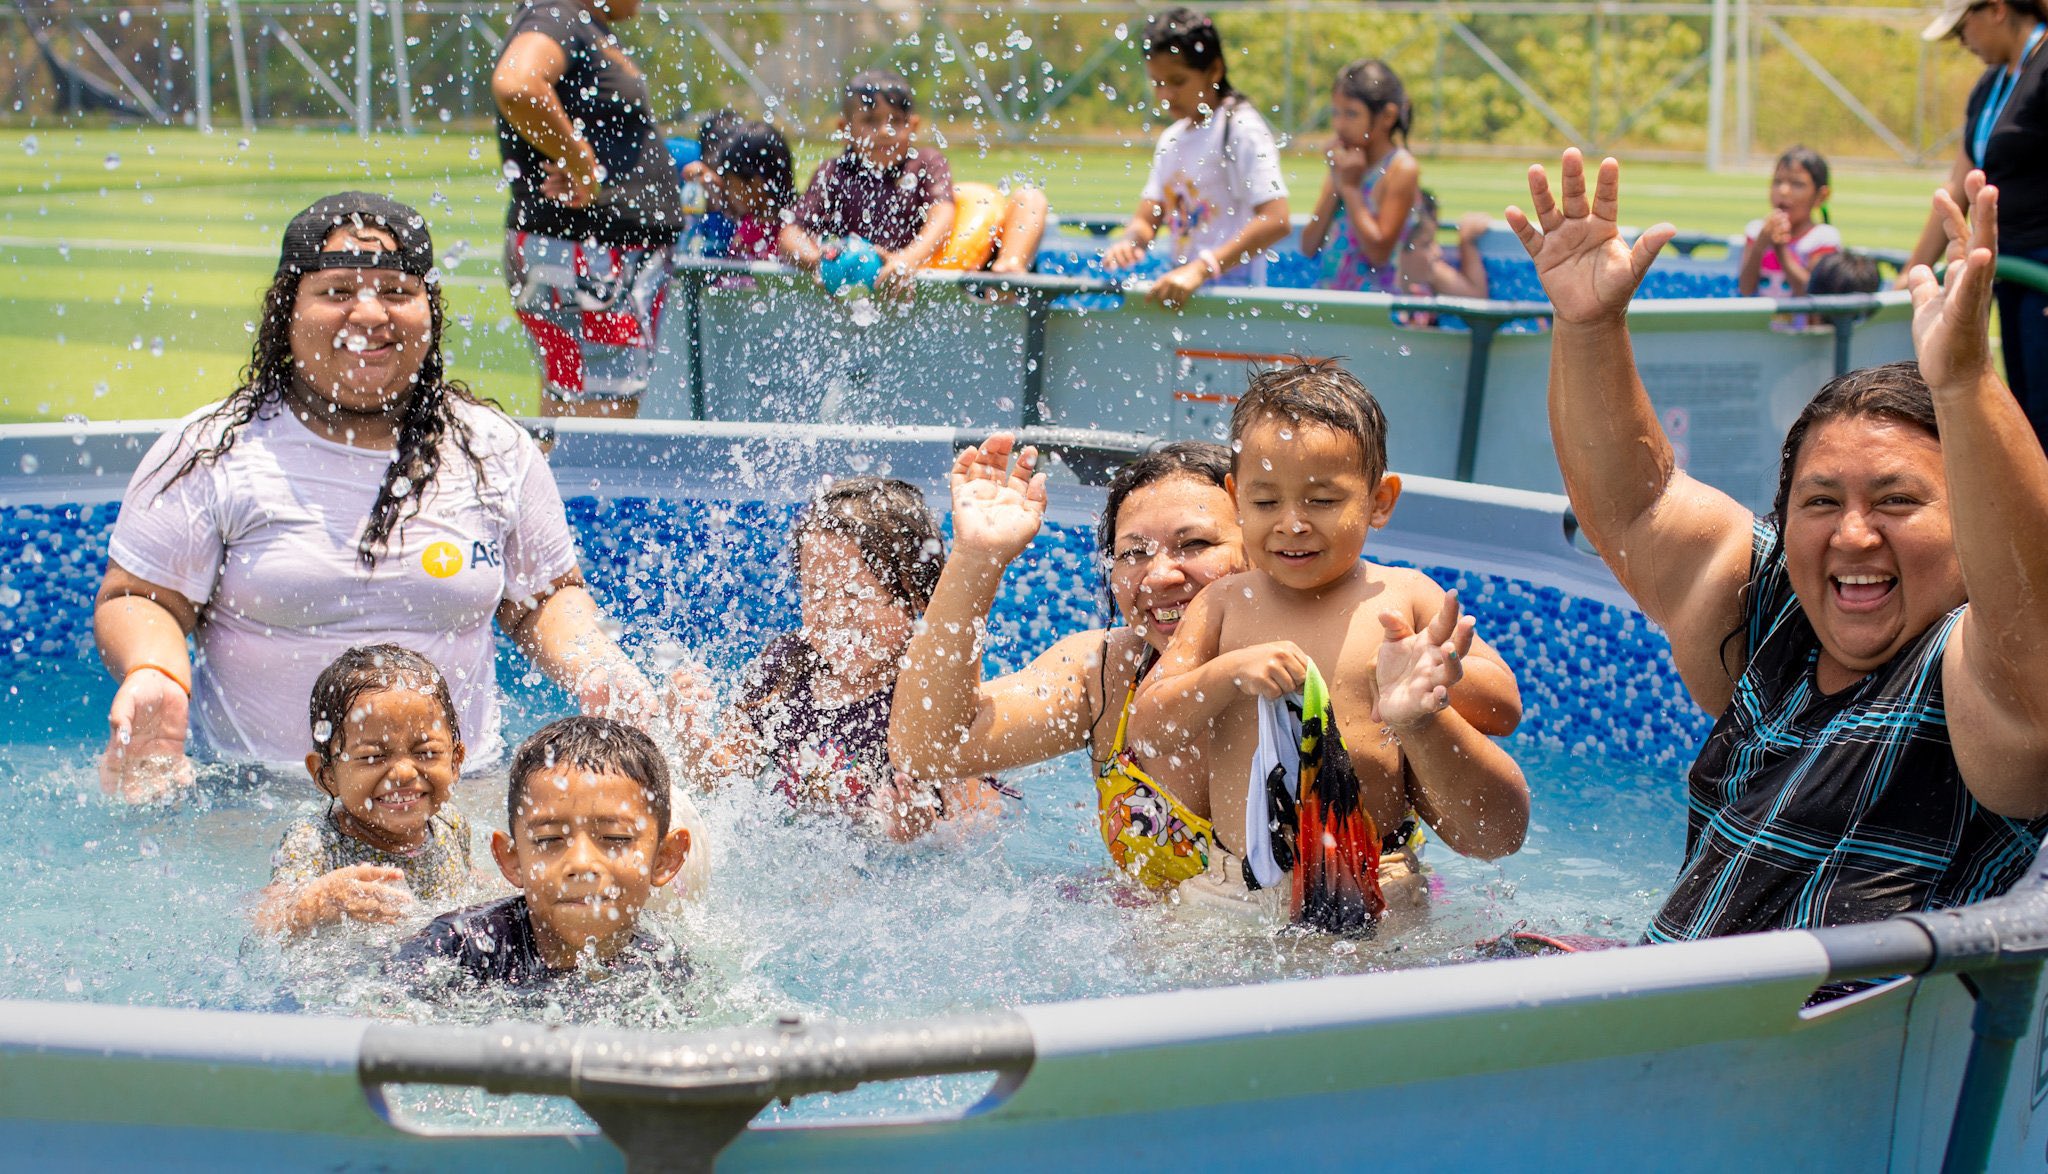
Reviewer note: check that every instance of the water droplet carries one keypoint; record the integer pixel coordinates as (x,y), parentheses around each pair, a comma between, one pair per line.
(29,463)
(1005,404)
(113,161)
(323,730)
(9,597)
(401,485)
(1404,351)
(30,146)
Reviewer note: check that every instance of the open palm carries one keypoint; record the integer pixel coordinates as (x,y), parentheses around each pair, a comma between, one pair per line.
(1587,270)
(997,509)
(1952,314)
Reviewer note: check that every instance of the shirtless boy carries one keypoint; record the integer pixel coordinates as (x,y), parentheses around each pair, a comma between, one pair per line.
(1415,693)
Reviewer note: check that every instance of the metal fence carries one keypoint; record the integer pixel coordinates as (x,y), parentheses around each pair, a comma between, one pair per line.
(1718,81)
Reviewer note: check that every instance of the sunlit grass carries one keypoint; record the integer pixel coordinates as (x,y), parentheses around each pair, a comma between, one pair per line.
(134,258)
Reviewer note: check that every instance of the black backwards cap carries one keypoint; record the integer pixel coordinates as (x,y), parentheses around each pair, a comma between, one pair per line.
(305,236)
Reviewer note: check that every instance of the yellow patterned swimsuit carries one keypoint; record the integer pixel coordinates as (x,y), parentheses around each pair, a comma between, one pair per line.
(1150,834)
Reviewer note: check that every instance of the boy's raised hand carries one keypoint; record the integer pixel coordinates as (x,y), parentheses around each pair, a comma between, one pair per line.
(997,508)
(1952,314)
(1418,669)
(1588,273)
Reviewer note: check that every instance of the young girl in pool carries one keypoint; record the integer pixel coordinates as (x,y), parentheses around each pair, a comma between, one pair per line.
(1215,182)
(1781,249)
(387,749)
(812,715)
(1366,210)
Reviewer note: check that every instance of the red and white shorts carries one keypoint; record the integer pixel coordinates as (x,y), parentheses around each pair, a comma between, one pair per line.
(593,312)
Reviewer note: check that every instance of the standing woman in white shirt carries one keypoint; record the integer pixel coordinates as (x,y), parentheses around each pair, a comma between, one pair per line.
(347,493)
(1215,181)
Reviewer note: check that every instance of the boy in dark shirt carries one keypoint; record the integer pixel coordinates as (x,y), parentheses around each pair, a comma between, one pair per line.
(896,196)
(588,808)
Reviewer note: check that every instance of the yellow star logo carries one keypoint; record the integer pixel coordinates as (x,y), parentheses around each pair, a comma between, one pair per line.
(441,560)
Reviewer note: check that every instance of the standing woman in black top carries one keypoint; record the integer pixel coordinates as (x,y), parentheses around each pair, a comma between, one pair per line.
(2005,134)
(595,203)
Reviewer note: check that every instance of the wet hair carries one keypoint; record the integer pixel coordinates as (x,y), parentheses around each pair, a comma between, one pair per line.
(871,87)
(1198,460)
(595,744)
(715,131)
(1316,391)
(1375,84)
(1889,391)
(755,150)
(367,669)
(1192,37)
(1844,273)
(889,524)
(426,418)
(1814,164)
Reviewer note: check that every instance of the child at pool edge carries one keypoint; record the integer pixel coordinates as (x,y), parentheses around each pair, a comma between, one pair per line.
(1415,694)
(1366,211)
(1215,182)
(588,844)
(387,750)
(812,715)
(1780,250)
(748,180)
(895,195)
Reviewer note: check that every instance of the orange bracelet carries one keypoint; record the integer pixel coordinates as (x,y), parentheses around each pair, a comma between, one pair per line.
(175,679)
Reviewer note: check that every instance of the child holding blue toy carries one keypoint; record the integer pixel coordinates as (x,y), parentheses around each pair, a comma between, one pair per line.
(1215,183)
(749,179)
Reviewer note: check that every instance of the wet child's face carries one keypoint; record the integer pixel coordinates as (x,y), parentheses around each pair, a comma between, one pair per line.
(1794,193)
(1306,501)
(587,854)
(880,133)
(752,198)
(396,764)
(1183,91)
(851,619)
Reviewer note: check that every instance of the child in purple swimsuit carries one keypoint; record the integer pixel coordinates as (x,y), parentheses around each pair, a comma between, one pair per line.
(811,718)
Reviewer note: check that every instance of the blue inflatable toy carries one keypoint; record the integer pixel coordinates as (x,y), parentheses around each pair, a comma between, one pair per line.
(853,268)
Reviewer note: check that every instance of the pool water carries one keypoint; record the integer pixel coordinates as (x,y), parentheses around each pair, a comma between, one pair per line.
(149,905)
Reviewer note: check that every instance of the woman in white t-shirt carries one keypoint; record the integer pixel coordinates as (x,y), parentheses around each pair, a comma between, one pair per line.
(349,493)
(1215,181)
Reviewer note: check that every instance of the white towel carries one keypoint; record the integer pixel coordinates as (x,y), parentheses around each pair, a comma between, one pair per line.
(1279,745)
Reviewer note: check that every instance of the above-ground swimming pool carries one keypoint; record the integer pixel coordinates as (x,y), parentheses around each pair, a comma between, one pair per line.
(1011,1002)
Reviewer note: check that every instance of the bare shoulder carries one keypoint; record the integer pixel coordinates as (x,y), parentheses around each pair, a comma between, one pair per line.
(1408,589)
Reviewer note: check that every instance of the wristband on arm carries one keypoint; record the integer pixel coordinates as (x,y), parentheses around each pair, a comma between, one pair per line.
(180,682)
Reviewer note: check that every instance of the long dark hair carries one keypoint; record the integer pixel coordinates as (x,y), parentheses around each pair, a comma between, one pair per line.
(427,418)
(1888,391)
(1374,84)
(1193,38)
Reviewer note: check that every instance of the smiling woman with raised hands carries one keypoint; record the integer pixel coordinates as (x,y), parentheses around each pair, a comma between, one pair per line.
(1168,530)
(1872,651)
(347,493)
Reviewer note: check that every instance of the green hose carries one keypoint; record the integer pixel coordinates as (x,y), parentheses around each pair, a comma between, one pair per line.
(2018,270)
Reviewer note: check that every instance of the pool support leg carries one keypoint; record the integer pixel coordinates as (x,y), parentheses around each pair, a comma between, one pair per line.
(2005,1009)
(693,328)
(1477,360)
(1037,313)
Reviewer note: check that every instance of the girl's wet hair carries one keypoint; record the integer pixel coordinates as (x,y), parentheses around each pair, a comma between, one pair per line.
(425,419)
(1196,459)
(715,131)
(889,524)
(755,150)
(367,669)
(1374,84)
(1815,166)
(1190,36)
(872,87)
(598,745)
(1316,391)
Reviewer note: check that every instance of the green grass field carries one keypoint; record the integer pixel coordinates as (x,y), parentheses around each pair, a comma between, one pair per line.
(134,258)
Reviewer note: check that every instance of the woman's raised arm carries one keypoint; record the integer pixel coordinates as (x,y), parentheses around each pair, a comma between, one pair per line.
(1992,671)
(945,722)
(1679,547)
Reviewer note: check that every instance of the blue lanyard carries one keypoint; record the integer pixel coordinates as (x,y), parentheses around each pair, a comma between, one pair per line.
(2001,93)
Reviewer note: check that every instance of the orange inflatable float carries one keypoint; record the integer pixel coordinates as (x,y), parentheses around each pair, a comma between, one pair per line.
(978,212)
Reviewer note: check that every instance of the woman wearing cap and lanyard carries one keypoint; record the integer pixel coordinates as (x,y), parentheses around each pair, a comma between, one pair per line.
(2005,134)
(348,493)
(595,203)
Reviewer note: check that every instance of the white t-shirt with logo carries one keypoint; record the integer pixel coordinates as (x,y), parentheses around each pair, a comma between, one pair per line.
(264,539)
(1210,178)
